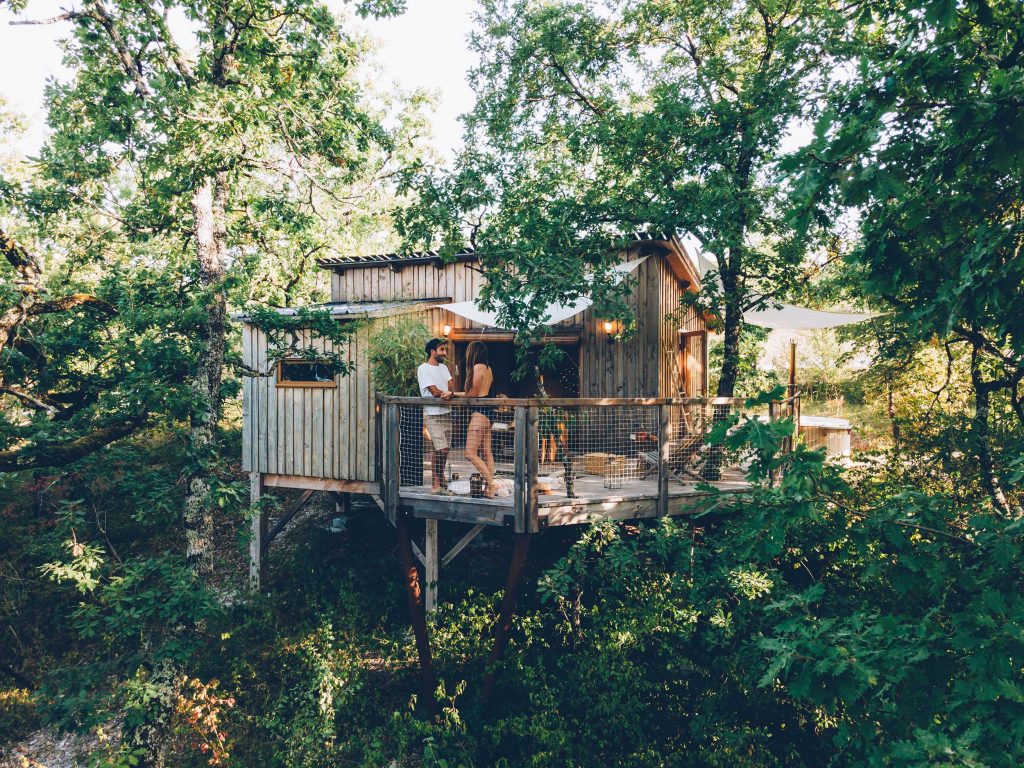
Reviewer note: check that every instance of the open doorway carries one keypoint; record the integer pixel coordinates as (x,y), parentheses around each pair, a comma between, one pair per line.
(559,369)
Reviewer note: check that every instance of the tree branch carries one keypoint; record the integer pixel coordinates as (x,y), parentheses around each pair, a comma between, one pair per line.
(64,452)
(30,400)
(70,302)
(66,16)
(132,67)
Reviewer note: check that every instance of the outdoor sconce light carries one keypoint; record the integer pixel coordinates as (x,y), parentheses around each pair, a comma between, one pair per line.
(446,331)
(609,330)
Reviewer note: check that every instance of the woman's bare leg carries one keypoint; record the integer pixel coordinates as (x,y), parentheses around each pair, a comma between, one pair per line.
(475,435)
(485,451)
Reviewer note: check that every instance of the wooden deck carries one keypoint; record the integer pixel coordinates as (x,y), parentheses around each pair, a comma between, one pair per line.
(658,446)
(637,498)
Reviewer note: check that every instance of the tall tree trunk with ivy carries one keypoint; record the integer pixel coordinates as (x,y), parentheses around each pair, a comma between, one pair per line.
(208,207)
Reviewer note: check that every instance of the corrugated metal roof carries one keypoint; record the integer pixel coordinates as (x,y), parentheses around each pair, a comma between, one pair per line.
(426,257)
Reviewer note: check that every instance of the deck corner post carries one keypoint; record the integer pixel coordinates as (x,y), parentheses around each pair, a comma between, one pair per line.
(773,416)
(257,563)
(430,564)
(392,460)
(664,456)
(520,497)
(531,519)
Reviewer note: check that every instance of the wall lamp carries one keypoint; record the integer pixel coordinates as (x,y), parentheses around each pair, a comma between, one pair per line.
(609,330)
(446,330)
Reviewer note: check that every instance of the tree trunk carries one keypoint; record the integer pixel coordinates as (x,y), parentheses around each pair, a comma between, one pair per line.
(152,735)
(989,479)
(730,350)
(731,271)
(208,203)
(891,410)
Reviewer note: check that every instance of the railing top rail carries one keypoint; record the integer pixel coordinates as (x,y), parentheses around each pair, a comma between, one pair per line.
(569,401)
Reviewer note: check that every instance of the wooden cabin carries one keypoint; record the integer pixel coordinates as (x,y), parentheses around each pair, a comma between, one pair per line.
(302,432)
(619,434)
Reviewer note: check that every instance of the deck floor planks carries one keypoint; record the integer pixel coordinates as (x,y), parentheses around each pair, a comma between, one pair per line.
(636,499)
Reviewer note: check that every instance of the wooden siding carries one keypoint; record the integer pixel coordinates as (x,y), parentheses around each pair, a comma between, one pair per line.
(625,368)
(459,282)
(314,431)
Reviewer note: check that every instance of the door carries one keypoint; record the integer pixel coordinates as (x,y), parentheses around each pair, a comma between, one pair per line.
(693,363)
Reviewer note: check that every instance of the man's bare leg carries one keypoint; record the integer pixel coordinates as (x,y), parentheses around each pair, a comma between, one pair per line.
(439,482)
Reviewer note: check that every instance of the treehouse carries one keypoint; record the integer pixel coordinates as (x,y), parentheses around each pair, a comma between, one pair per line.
(613,427)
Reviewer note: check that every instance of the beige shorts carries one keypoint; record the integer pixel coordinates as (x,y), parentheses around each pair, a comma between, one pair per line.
(439,430)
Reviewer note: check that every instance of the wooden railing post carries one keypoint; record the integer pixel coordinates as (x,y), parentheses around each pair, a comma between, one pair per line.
(520,496)
(532,468)
(664,456)
(773,416)
(392,459)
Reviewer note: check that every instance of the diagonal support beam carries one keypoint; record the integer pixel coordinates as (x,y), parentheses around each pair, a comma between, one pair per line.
(418,552)
(286,518)
(462,544)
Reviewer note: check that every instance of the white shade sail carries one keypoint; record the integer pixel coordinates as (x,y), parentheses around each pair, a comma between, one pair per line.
(794,318)
(787,316)
(553,313)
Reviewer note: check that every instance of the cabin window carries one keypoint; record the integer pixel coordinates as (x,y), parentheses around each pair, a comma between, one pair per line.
(300,372)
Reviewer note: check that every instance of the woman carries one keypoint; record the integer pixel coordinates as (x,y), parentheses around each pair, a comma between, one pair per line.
(479,379)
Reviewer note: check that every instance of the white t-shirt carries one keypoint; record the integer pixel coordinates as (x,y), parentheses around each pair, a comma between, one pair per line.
(433,375)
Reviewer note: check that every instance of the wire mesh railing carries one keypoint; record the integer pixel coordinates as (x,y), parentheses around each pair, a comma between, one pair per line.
(525,452)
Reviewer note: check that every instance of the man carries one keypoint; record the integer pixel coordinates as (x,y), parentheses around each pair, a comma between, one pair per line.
(435,380)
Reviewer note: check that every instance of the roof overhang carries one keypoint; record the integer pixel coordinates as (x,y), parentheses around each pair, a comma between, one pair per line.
(671,247)
(357,310)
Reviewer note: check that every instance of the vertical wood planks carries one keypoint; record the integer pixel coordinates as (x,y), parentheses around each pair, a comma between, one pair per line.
(249,414)
(259,401)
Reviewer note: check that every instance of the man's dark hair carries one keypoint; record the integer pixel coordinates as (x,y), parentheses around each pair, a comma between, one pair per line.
(434,344)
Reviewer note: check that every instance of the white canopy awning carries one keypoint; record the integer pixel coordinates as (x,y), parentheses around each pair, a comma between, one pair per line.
(553,313)
(791,317)
(787,316)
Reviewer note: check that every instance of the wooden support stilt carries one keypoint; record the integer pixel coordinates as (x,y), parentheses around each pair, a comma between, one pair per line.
(257,563)
(430,565)
(342,504)
(520,547)
(417,615)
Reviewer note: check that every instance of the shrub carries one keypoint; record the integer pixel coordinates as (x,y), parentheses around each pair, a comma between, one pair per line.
(395,353)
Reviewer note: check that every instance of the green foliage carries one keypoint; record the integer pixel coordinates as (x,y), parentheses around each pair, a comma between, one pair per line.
(924,142)
(753,377)
(869,615)
(594,121)
(396,351)
(296,335)
(319,679)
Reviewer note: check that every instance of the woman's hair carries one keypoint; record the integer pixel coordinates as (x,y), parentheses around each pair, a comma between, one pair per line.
(476,353)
